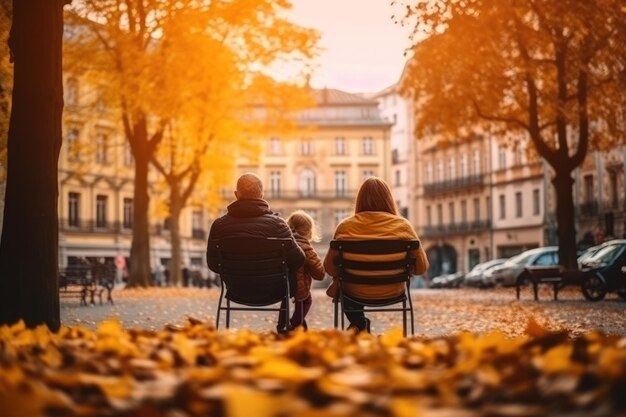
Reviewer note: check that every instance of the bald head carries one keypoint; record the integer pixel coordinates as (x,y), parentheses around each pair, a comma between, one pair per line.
(249,186)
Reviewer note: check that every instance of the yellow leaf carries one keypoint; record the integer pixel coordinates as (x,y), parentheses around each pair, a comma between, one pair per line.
(392,338)
(534,329)
(242,401)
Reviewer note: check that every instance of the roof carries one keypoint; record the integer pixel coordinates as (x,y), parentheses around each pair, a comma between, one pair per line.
(331,96)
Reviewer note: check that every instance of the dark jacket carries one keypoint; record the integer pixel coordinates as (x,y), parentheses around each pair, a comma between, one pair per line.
(312,269)
(249,219)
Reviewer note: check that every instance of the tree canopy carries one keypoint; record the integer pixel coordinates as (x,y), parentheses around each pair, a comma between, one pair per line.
(552,70)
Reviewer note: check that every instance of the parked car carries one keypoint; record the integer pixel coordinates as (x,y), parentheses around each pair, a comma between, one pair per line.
(475,277)
(508,273)
(605,271)
(453,280)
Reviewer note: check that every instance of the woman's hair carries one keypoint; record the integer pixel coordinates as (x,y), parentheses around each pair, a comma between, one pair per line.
(302,223)
(375,195)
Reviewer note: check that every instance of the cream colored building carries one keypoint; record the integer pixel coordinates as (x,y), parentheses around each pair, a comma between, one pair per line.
(319,168)
(96,171)
(520,201)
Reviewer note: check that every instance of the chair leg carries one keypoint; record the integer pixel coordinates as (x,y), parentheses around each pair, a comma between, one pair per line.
(411,314)
(219,309)
(342,312)
(287,315)
(404,318)
(227,313)
(336,317)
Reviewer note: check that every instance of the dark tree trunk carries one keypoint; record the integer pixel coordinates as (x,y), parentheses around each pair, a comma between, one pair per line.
(175,211)
(29,245)
(140,273)
(563,186)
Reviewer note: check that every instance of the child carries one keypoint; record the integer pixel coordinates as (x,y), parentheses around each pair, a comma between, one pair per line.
(304,231)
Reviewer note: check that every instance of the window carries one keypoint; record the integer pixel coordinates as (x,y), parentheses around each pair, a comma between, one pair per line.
(341,181)
(476,209)
(306,147)
(73,209)
(428,173)
(502,206)
(340,215)
(275,146)
(475,162)
(546,259)
(489,209)
(613,193)
(307,183)
(368,145)
(167,223)
(127,216)
(439,173)
(72,144)
(101,211)
(340,145)
(102,148)
(275,183)
(501,157)
(129,160)
(311,212)
(368,173)
(429,219)
(451,168)
(398,178)
(72,95)
(536,202)
(518,204)
(464,165)
(588,192)
(451,211)
(101,104)
(196,225)
(517,154)
(464,211)
(439,214)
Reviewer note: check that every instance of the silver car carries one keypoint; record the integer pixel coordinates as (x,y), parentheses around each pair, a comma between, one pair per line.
(507,273)
(476,277)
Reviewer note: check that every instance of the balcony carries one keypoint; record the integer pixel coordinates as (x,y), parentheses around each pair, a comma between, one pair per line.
(316,195)
(456,228)
(457,184)
(92,226)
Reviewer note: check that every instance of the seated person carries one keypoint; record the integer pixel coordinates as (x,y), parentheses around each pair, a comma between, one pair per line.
(249,216)
(375,217)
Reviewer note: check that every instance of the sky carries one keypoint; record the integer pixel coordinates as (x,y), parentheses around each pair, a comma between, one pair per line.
(362,47)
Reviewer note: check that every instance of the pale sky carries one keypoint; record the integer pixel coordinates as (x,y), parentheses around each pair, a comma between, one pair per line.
(362,47)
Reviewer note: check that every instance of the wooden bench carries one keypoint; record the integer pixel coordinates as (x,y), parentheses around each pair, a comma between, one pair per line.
(535,275)
(86,282)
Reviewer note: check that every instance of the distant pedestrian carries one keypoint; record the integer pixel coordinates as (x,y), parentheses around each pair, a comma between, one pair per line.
(159,276)
(120,268)
(186,275)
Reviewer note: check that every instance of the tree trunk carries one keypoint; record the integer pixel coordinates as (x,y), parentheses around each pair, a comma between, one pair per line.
(140,272)
(29,244)
(175,211)
(563,186)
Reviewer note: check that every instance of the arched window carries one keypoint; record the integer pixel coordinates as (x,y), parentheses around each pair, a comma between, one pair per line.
(307,182)
(72,94)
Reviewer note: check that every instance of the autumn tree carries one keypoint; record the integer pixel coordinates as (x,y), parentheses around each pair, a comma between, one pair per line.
(216,98)
(28,248)
(551,69)
(140,47)
(6,81)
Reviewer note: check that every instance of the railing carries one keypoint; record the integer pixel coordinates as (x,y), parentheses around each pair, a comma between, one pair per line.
(92,226)
(456,228)
(314,194)
(593,208)
(198,234)
(455,184)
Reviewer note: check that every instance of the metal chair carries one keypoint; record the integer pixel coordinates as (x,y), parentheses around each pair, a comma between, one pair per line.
(253,273)
(388,272)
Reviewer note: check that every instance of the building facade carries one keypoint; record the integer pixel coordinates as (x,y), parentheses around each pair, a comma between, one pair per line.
(319,167)
(96,171)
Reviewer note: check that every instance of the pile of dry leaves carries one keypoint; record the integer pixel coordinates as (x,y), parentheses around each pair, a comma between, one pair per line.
(196,371)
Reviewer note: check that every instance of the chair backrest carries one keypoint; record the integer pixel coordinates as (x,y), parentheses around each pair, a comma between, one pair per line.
(254,270)
(387,272)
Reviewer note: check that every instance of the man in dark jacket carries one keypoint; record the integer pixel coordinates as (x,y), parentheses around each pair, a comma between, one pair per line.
(250,217)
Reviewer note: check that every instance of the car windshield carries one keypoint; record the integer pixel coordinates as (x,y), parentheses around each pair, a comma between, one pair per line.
(606,255)
(521,259)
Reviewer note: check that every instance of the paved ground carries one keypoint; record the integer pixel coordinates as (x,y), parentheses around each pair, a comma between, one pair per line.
(437,312)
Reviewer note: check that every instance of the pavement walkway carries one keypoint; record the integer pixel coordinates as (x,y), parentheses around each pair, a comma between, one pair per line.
(437,312)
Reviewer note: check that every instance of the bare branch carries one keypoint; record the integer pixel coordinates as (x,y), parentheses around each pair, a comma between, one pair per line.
(498,118)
